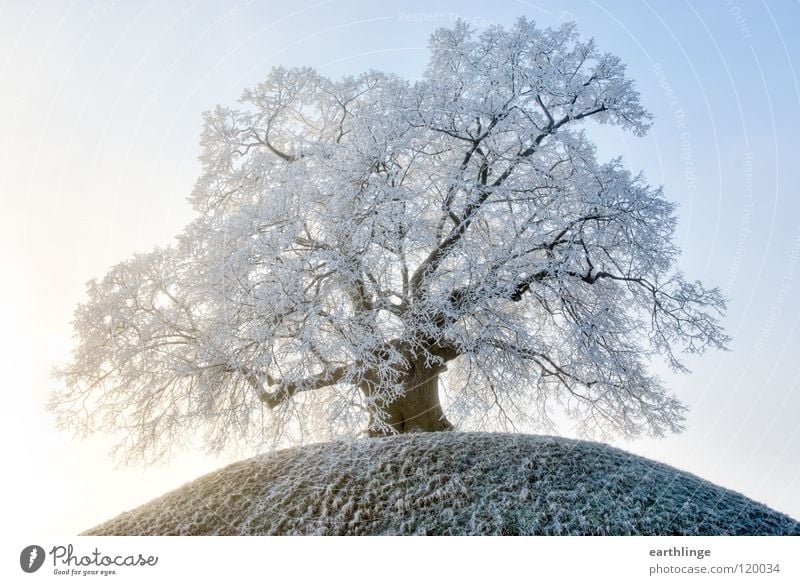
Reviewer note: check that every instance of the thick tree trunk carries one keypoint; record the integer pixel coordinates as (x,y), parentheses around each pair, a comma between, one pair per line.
(418,410)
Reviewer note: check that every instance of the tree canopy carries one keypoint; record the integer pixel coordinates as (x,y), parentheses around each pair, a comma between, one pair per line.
(361,244)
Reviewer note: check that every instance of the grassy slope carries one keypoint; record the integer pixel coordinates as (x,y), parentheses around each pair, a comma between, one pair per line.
(451,483)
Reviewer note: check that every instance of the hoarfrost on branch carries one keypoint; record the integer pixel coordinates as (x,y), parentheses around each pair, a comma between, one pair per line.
(355,239)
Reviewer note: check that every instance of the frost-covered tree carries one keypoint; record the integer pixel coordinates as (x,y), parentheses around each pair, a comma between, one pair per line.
(355,239)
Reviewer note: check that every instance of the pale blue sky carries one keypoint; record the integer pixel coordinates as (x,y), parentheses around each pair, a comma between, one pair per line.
(101,103)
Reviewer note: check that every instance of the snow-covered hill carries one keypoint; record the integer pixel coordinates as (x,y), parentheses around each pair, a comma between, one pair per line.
(450,483)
